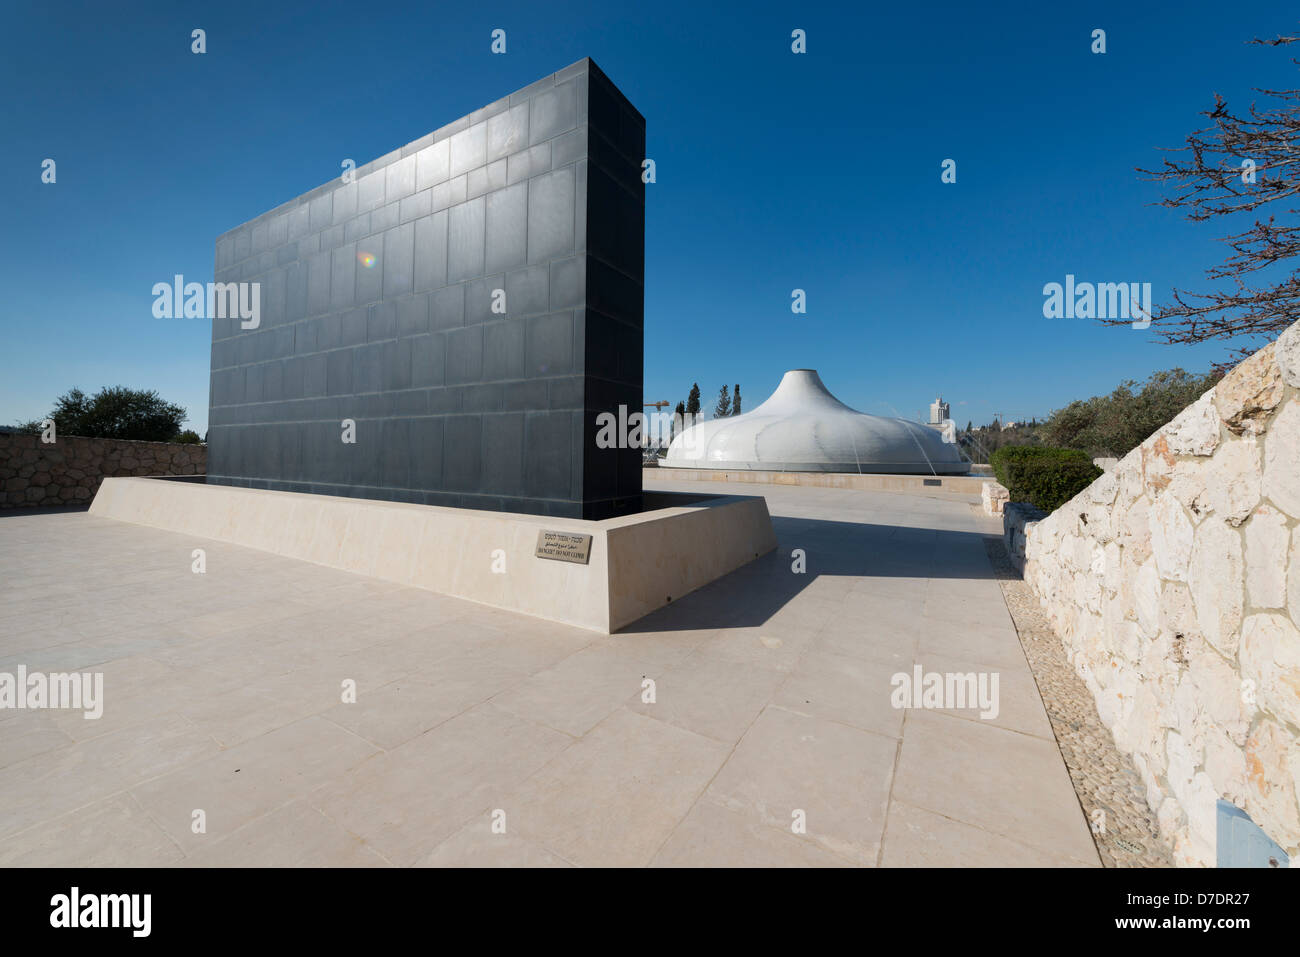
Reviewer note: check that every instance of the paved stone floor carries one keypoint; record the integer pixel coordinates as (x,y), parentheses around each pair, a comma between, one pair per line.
(772,697)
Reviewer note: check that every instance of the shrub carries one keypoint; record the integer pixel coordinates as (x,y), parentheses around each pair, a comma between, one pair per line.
(1048,483)
(1002,458)
(1116,424)
(1043,476)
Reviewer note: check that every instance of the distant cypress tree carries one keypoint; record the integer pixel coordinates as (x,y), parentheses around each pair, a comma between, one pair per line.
(735,402)
(693,400)
(723,408)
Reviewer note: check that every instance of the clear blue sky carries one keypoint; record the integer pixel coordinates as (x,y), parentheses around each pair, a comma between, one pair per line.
(775,171)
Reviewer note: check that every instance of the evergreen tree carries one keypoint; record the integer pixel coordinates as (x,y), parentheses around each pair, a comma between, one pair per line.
(735,402)
(693,400)
(723,408)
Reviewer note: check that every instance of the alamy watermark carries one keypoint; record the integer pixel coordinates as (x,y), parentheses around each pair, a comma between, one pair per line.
(84,690)
(634,429)
(955,690)
(1103,300)
(124,911)
(217,300)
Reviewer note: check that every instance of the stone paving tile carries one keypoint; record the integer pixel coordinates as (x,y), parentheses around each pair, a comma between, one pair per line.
(915,837)
(242,714)
(581,691)
(1008,783)
(710,697)
(31,734)
(715,836)
(406,801)
(851,691)
(757,647)
(992,644)
(241,784)
(613,798)
(47,786)
(114,832)
(478,845)
(838,776)
(399,711)
(862,637)
(1018,706)
(296,835)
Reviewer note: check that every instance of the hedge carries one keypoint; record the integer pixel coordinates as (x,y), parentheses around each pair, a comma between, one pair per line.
(1043,476)
(1002,457)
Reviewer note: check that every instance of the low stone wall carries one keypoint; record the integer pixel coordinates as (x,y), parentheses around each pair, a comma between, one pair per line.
(964,487)
(1174,583)
(1018,521)
(68,471)
(634,563)
(994,497)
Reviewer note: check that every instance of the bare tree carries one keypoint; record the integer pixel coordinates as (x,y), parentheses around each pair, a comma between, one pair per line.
(1238,164)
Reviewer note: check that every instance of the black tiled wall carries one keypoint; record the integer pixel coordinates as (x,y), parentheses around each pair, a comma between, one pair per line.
(377,307)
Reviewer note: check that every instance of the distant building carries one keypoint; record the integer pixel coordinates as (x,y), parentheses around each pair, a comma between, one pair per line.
(938,411)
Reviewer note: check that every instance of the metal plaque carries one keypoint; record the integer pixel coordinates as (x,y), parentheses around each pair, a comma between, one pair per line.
(564,546)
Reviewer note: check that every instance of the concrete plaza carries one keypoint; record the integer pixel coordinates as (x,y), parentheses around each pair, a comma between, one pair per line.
(772,704)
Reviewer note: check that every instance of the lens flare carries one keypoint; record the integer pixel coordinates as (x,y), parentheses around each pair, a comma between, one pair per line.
(366,259)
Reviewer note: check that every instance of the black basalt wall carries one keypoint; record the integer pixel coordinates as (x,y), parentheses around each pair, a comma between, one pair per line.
(471,302)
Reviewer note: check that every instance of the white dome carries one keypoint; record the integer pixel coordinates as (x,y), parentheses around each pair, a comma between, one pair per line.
(803,428)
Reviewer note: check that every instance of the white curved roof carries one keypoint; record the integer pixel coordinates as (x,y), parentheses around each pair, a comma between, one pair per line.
(803,428)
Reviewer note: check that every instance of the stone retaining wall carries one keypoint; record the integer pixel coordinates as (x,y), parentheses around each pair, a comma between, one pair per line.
(1018,521)
(1174,583)
(68,471)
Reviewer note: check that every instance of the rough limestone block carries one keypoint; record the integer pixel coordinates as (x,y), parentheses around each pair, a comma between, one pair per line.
(1266,553)
(1271,755)
(1171,537)
(1249,393)
(1235,480)
(1270,655)
(1195,431)
(1281,481)
(1216,578)
(1287,351)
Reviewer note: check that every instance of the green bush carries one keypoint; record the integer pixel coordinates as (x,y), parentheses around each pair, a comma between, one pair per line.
(1116,424)
(1048,483)
(1042,475)
(1002,458)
